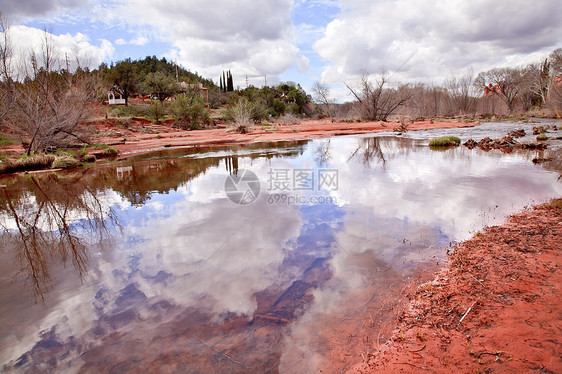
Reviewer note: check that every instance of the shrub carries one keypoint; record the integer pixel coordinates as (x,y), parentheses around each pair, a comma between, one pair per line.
(65,162)
(278,108)
(445,141)
(156,111)
(89,158)
(110,152)
(240,113)
(402,128)
(190,112)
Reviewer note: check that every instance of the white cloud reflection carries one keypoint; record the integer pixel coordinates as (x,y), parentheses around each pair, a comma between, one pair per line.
(193,248)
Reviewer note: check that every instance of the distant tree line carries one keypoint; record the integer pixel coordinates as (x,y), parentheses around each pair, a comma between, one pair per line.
(150,76)
(534,88)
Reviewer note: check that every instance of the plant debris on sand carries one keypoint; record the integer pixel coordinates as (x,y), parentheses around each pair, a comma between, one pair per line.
(495,307)
(505,144)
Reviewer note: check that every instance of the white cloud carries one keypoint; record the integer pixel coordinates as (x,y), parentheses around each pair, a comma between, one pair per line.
(141,40)
(444,37)
(249,37)
(78,47)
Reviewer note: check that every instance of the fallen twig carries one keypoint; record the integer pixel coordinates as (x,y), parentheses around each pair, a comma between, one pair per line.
(476,279)
(465,313)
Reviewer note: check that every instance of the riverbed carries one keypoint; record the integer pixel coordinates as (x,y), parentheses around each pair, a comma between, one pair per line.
(276,257)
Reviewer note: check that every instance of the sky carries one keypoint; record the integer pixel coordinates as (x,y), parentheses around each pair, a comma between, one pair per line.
(302,41)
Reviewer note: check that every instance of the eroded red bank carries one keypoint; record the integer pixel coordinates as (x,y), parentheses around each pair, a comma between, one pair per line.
(139,137)
(495,307)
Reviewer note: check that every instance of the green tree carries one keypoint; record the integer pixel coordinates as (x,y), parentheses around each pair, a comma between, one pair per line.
(230,82)
(123,78)
(160,85)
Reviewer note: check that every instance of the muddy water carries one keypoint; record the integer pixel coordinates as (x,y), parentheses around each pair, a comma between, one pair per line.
(148,266)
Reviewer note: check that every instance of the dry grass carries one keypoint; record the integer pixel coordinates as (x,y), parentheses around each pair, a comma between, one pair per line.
(33,162)
(65,162)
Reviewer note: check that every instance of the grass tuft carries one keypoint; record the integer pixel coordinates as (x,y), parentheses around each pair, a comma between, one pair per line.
(65,162)
(110,152)
(445,141)
(542,137)
(5,141)
(553,204)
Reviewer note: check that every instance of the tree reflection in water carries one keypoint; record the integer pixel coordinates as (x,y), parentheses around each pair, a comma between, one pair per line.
(322,154)
(51,222)
(380,150)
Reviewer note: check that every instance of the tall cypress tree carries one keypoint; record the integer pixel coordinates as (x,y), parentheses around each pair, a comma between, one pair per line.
(224,81)
(221,84)
(230,82)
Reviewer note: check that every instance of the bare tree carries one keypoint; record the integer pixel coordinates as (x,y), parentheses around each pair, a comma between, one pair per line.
(322,96)
(462,93)
(48,106)
(426,101)
(377,101)
(554,98)
(555,59)
(6,73)
(506,83)
(538,80)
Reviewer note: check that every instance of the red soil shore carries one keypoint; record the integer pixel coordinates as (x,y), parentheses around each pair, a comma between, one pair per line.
(497,306)
(140,136)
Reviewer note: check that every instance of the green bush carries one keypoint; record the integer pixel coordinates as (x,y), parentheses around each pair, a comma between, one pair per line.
(156,111)
(278,108)
(65,162)
(190,112)
(122,111)
(445,141)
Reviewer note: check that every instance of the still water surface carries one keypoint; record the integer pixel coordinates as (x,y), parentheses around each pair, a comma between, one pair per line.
(147,266)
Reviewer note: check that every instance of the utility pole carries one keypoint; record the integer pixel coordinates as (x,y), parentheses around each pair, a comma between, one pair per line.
(177,76)
(67,69)
(265,84)
(246,81)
